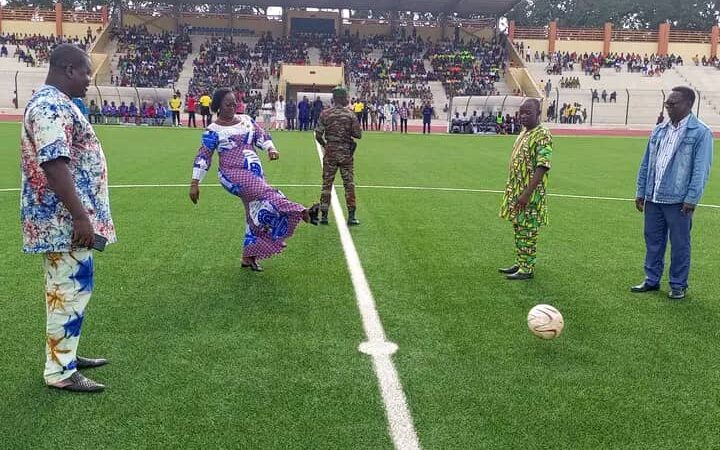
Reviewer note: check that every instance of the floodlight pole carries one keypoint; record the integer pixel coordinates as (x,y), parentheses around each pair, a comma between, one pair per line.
(99,94)
(592,107)
(17,92)
(699,96)
(557,106)
(627,107)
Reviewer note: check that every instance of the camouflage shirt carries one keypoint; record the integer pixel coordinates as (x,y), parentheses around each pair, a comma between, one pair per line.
(338,126)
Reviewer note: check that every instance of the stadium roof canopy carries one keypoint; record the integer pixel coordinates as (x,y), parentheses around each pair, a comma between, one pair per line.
(462,7)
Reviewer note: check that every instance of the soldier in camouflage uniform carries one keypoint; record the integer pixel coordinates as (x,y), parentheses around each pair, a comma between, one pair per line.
(335,132)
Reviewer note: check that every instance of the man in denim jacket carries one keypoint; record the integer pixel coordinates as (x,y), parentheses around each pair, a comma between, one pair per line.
(671,180)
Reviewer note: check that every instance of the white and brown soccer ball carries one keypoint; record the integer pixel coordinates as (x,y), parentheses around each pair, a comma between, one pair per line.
(545,321)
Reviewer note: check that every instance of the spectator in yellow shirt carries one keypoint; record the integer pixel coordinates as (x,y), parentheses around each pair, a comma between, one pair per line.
(358,108)
(205,101)
(175,104)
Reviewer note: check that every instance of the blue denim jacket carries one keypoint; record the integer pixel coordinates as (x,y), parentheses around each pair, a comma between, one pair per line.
(689,167)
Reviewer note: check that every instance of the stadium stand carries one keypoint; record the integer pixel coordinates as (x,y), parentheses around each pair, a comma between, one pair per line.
(149,60)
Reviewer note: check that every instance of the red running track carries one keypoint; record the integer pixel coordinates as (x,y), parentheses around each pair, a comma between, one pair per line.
(441,128)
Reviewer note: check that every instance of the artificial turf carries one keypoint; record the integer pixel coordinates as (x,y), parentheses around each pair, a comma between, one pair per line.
(205,354)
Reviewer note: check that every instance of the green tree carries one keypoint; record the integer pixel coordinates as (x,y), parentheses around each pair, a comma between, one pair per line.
(636,14)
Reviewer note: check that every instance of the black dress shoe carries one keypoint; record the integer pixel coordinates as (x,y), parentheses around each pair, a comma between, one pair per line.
(79,383)
(324,220)
(519,275)
(90,363)
(510,270)
(676,294)
(644,287)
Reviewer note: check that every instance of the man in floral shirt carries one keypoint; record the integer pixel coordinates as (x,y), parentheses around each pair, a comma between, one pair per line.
(524,203)
(64,204)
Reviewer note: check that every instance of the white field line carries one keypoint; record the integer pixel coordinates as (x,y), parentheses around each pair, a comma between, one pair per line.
(377,346)
(407,188)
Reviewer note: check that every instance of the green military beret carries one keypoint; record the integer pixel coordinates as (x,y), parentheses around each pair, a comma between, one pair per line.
(339,91)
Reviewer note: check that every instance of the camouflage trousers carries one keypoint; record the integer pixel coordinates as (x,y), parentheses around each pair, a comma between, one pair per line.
(526,246)
(332,161)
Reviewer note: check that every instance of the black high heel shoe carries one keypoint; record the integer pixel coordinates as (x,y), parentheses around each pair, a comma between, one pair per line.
(254,266)
(314,213)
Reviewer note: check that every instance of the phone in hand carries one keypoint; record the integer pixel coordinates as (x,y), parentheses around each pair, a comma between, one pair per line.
(100,242)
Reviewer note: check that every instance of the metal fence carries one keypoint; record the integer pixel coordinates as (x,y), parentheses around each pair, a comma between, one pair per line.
(20,86)
(625,108)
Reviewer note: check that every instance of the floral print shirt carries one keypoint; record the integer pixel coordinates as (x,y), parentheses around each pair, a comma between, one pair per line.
(53,128)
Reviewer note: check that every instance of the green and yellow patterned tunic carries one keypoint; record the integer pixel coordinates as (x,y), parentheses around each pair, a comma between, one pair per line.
(532,149)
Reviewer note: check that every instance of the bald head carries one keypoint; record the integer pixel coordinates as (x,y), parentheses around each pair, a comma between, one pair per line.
(530,112)
(70,70)
(68,54)
(532,103)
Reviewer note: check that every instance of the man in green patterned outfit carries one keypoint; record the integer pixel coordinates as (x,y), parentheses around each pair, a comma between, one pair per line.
(524,201)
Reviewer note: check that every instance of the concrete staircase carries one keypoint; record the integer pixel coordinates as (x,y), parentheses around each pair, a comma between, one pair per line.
(314,55)
(183,81)
(646,94)
(376,54)
(440,98)
(703,80)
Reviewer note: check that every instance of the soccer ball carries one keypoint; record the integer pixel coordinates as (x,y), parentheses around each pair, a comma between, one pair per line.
(545,321)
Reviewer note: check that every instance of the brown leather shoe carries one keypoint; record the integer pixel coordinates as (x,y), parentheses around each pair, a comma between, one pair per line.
(90,363)
(79,383)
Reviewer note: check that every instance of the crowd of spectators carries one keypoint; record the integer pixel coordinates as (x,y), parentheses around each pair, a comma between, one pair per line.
(147,113)
(223,62)
(150,60)
(707,62)
(470,68)
(596,96)
(290,50)
(591,63)
(34,50)
(485,123)
(399,73)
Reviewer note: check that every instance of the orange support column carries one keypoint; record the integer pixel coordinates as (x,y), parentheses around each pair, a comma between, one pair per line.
(1,18)
(58,19)
(511,30)
(104,15)
(607,38)
(714,38)
(552,36)
(663,39)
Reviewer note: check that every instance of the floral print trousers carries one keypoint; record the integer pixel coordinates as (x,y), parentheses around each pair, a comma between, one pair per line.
(68,287)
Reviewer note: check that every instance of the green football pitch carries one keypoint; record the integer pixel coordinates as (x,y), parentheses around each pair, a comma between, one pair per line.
(205,354)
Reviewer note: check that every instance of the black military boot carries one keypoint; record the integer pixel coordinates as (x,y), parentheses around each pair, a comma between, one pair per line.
(324,218)
(351,217)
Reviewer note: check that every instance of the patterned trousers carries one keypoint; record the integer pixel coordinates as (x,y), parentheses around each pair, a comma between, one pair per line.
(68,287)
(332,161)
(526,246)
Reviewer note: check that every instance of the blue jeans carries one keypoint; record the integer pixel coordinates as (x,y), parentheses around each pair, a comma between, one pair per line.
(661,220)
